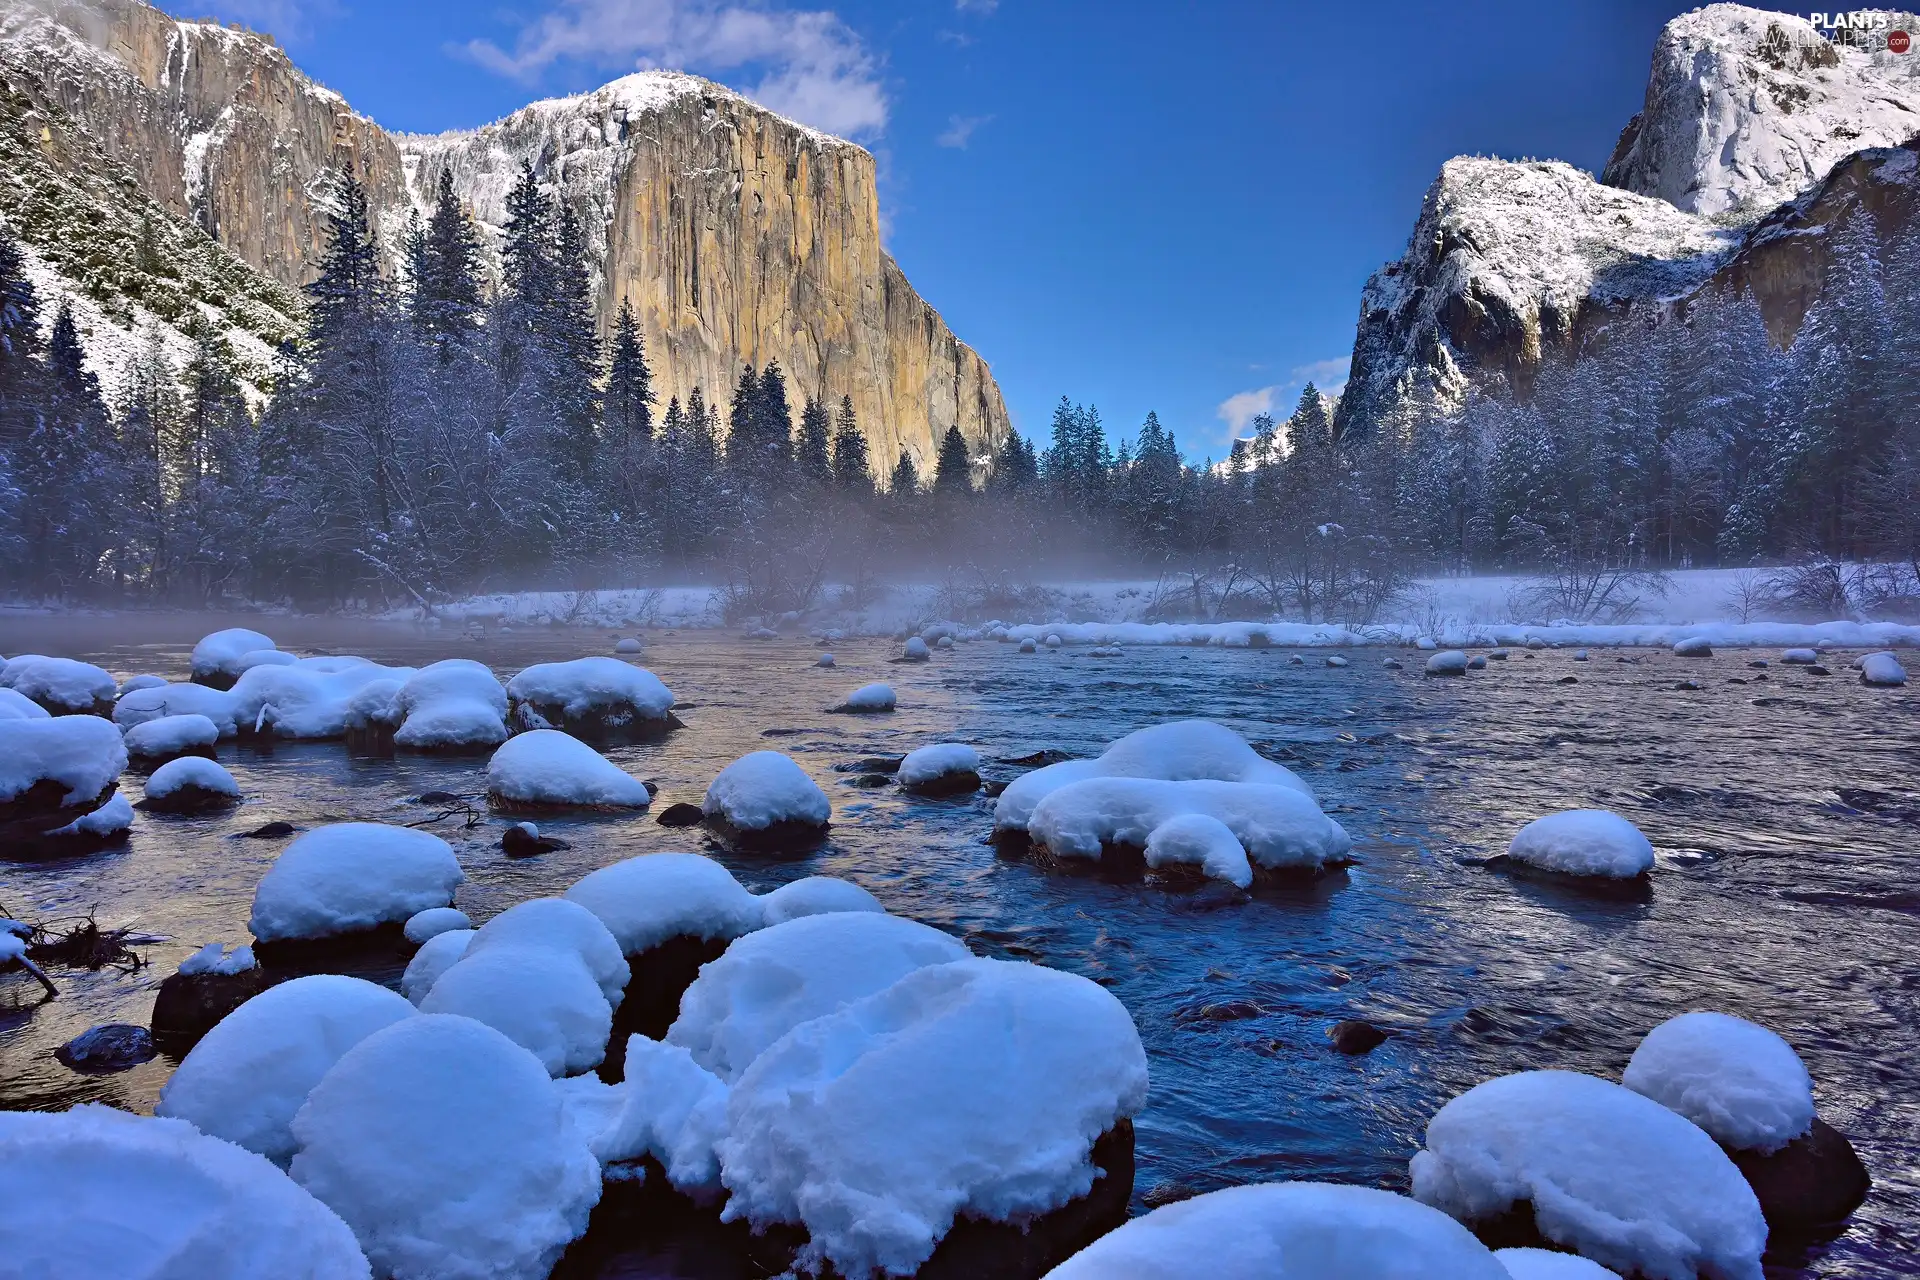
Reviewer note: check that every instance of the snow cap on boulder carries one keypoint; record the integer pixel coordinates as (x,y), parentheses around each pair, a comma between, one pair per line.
(548,767)
(350,876)
(1737,1080)
(1584,842)
(646,900)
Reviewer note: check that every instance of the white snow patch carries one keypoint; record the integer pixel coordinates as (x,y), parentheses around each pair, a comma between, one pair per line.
(646,900)
(1276,826)
(941,760)
(1584,842)
(220,654)
(455,702)
(18,706)
(59,684)
(1544,1264)
(435,956)
(110,819)
(309,699)
(349,876)
(83,754)
(1737,1080)
(171,735)
(424,926)
(870,698)
(141,706)
(547,766)
(1195,839)
(765,787)
(593,686)
(540,997)
(813,896)
(191,771)
(558,924)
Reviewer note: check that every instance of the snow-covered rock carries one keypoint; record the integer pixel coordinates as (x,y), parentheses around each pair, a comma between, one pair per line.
(1200,840)
(765,797)
(944,767)
(216,958)
(771,981)
(1584,842)
(96,1192)
(1287,1231)
(309,699)
(1448,662)
(1614,1176)
(813,896)
(1052,641)
(422,926)
(878,1124)
(1882,669)
(1800,657)
(1747,108)
(453,704)
(1027,645)
(1545,1264)
(217,660)
(444,1147)
(104,825)
(540,997)
(351,876)
(1277,828)
(435,956)
(80,757)
(1183,749)
(548,768)
(629,645)
(916,650)
(1737,1080)
(826,660)
(61,685)
(868,699)
(172,736)
(133,683)
(18,706)
(592,696)
(140,706)
(253,1071)
(1693,647)
(559,924)
(190,784)
(644,901)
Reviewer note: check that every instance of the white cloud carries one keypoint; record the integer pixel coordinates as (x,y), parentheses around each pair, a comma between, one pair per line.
(810,65)
(976,6)
(288,21)
(960,131)
(1328,375)
(1241,408)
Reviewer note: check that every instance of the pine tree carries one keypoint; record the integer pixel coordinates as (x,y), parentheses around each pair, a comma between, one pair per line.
(775,421)
(904,484)
(629,395)
(19,342)
(568,327)
(347,285)
(413,252)
(743,428)
(953,468)
(65,468)
(852,469)
(814,453)
(447,288)
(527,252)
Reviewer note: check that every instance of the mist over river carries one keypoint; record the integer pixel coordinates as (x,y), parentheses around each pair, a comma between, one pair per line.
(1785,814)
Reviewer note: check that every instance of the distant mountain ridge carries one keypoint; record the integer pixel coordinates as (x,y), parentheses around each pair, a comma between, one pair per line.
(739,236)
(1752,124)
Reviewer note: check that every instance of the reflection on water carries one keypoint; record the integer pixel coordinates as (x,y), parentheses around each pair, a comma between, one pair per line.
(1785,815)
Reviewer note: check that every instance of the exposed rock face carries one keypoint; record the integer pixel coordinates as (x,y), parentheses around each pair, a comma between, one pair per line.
(1746,109)
(737,235)
(1757,137)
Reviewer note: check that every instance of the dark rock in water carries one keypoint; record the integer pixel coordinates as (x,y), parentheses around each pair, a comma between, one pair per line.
(1351,766)
(653,788)
(189,1004)
(871,764)
(1759,664)
(1038,758)
(1757,679)
(992,788)
(440,798)
(1221,1011)
(1686,686)
(519,842)
(787,733)
(215,680)
(661,975)
(1813,1182)
(1392,664)
(642,1227)
(681,815)
(872,781)
(789,835)
(114,1046)
(189,799)
(1632,662)
(963,783)
(1815,669)
(600,725)
(361,951)
(1354,1037)
(144,761)
(1568,680)
(267,831)
(1736,680)
(29,820)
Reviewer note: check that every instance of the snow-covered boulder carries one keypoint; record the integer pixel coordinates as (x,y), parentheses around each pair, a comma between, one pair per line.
(1052,641)
(1183,749)
(218,659)
(826,660)
(170,737)
(1800,657)
(548,769)
(56,772)
(540,997)
(1883,670)
(134,683)
(1693,647)
(96,1192)
(1287,1231)
(422,926)
(18,706)
(190,784)
(1278,829)
(1584,842)
(435,956)
(648,900)
(592,698)
(916,650)
(814,896)
(1614,1176)
(61,686)
(444,1147)
(311,699)
(455,704)
(1749,1090)
(1106,651)
(877,1125)
(348,877)
(559,924)
(210,984)
(1448,662)
(945,768)
(869,699)
(765,800)
(1545,1264)
(1477,663)
(771,981)
(629,645)
(139,706)
(249,1075)
(1027,645)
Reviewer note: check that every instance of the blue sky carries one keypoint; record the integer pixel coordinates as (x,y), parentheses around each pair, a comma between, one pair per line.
(1143,205)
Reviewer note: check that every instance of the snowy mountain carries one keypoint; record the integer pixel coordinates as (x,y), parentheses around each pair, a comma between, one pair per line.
(737,235)
(1746,109)
(1725,180)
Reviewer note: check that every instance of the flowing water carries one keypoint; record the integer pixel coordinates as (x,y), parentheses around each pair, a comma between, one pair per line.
(1785,813)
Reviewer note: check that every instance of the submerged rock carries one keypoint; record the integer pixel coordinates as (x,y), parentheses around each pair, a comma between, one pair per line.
(523,840)
(681,815)
(1355,1037)
(114,1046)
(189,1004)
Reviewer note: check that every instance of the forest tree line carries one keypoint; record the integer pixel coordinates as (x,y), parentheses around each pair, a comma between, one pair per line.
(432,437)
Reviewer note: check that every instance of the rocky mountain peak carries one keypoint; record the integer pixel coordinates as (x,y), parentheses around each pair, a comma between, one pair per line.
(1746,108)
